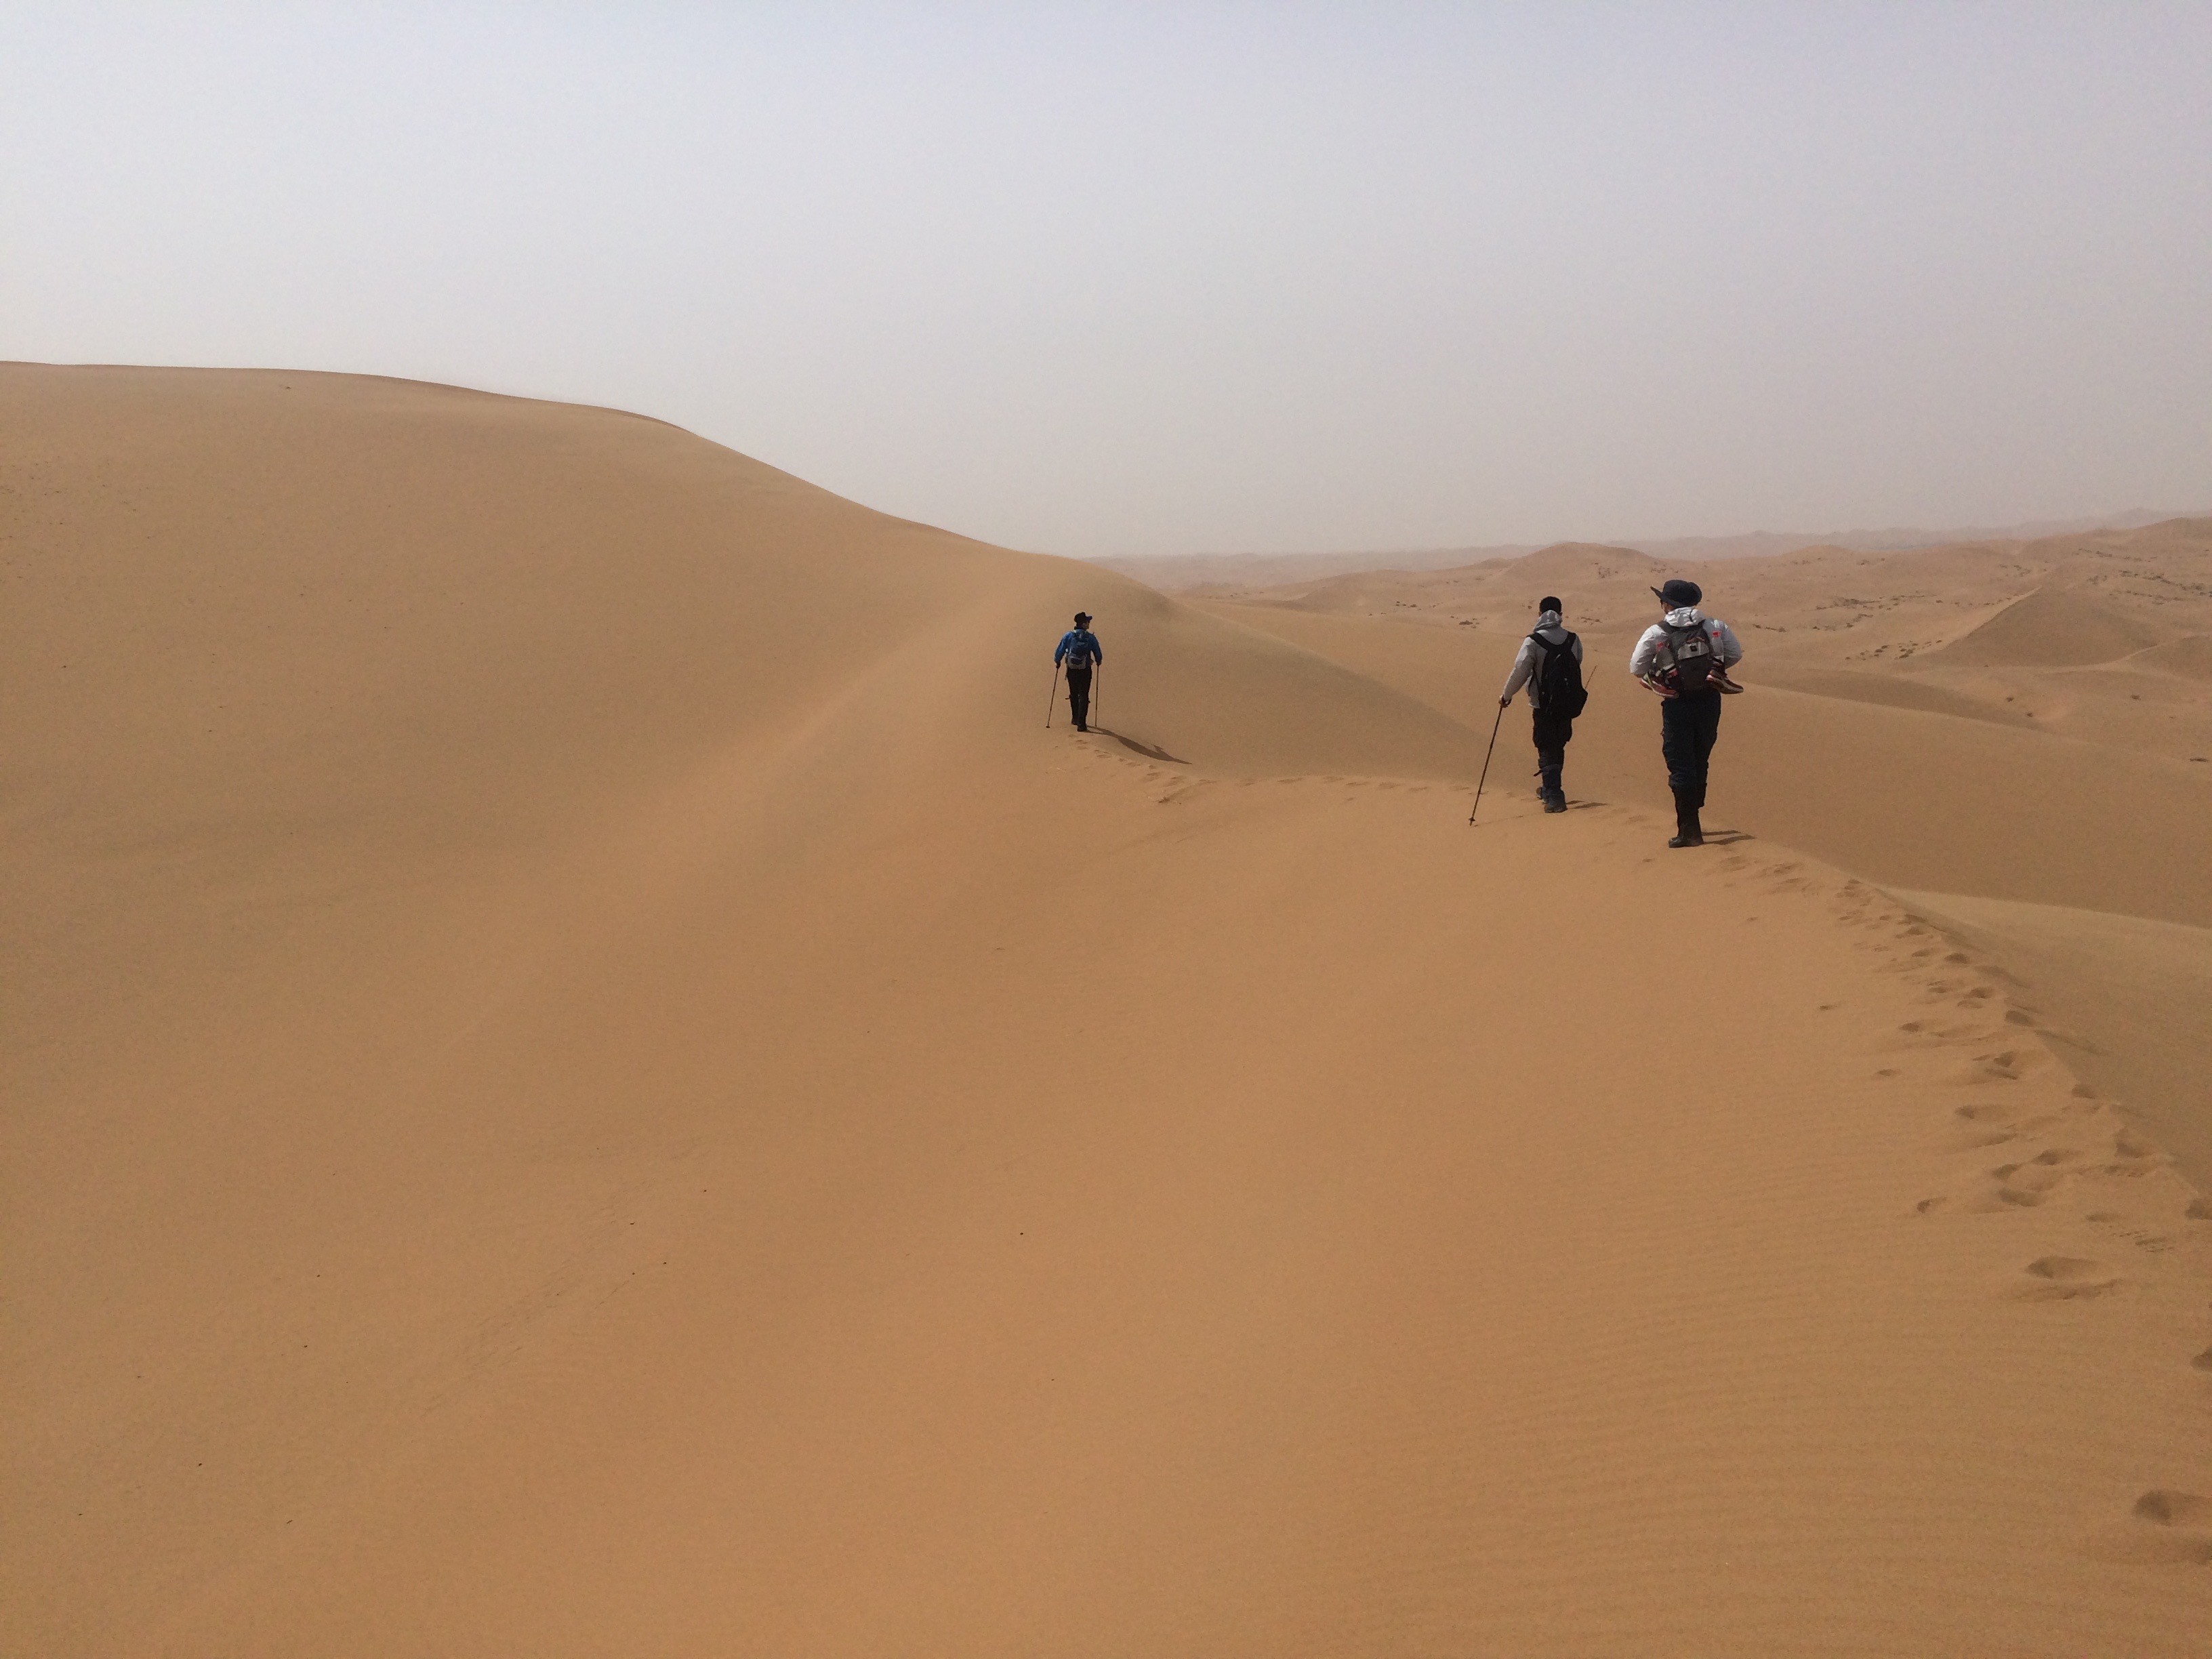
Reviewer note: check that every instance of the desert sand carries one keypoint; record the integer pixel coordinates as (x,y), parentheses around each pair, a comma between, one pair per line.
(2015,736)
(583,1075)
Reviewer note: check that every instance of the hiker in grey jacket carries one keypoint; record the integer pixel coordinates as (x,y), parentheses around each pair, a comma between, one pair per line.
(1685,657)
(1552,719)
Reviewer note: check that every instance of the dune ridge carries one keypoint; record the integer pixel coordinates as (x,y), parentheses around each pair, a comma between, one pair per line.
(2021,723)
(584,1074)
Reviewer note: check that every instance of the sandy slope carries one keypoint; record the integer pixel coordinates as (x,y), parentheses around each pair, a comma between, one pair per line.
(2026,722)
(583,1076)
(2122,1000)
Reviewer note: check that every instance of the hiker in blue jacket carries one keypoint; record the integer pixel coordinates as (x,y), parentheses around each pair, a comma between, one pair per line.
(1078,652)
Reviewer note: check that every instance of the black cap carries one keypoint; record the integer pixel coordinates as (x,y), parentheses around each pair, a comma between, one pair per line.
(1081,617)
(1549,601)
(1678,592)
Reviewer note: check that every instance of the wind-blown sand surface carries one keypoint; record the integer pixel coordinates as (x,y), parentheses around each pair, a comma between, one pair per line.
(583,1076)
(2024,722)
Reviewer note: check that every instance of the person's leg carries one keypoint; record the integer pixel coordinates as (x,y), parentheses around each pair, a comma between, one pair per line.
(1551,734)
(1709,730)
(1079,696)
(1679,721)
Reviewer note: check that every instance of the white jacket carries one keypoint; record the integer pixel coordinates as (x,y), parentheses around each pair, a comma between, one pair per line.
(1647,658)
(1532,655)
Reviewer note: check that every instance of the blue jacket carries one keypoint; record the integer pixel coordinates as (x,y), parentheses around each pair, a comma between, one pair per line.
(1078,647)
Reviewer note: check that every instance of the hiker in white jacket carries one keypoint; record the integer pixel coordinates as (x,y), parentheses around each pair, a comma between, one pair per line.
(1550,665)
(1685,657)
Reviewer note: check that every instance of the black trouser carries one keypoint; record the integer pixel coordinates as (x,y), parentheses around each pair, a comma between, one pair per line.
(1078,693)
(1553,733)
(1687,727)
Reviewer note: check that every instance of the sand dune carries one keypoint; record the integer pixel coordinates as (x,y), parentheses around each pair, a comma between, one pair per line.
(2007,721)
(584,1076)
(2048,628)
(2121,1000)
(1212,574)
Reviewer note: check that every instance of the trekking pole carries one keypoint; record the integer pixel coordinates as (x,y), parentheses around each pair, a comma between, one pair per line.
(1052,698)
(1485,778)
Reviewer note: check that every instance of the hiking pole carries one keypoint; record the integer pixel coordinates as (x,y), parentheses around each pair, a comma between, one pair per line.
(1054,697)
(1485,778)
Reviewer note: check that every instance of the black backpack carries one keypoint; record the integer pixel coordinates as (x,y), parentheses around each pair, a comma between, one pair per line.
(1559,688)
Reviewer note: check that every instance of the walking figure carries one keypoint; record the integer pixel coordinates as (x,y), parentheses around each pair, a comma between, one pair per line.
(1551,665)
(1685,657)
(1079,653)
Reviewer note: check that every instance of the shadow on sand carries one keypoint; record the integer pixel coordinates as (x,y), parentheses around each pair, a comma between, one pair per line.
(1146,749)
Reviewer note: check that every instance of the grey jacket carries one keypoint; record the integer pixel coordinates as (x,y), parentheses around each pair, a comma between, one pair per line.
(1532,656)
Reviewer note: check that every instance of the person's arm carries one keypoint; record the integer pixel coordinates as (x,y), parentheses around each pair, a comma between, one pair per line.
(1643,661)
(1731,653)
(1523,665)
(1060,650)
(1098,650)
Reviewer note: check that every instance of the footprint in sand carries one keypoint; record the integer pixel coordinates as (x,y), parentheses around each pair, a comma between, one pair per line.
(2132,1168)
(2029,1184)
(1980,1140)
(2143,1238)
(2023,1195)
(1998,1068)
(2174,1509)
(2066,1279)
(2176,1526)
(2165,1528)
(1986,1112)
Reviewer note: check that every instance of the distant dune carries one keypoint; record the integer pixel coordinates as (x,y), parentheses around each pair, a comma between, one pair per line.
(584,1075)
(2050,628)
(1185,572)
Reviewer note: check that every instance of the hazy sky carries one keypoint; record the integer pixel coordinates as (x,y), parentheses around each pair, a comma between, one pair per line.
(1136,278)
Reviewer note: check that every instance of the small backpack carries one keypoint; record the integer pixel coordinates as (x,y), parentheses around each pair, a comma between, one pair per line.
(1079,647)
(1690,655)
(1559,688)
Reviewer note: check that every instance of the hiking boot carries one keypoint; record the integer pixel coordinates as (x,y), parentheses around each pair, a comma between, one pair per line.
(1688,832)
(1555,800)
